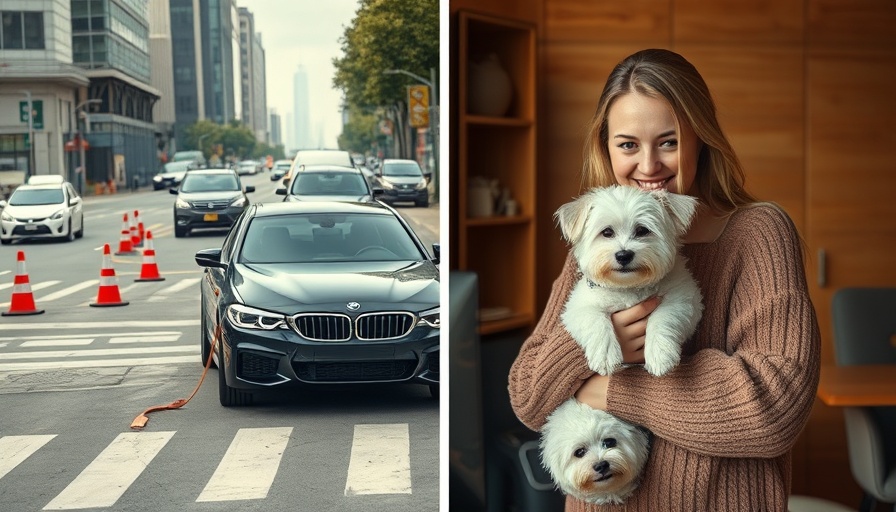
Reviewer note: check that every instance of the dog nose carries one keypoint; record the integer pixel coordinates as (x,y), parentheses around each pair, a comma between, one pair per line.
(625,257)
(602,466)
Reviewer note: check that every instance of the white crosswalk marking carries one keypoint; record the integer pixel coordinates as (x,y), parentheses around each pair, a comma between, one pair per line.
(112,472)
(248,468)
(79,342)
(101,363)
(68,291)
(380,461)
(15,449)
(146,338)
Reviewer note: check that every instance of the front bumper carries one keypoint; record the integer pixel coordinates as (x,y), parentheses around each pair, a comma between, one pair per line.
(399,195)
(256,359)
(195,218)
(44,228)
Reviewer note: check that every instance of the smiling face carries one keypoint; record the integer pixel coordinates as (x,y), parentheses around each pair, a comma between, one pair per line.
(647,148)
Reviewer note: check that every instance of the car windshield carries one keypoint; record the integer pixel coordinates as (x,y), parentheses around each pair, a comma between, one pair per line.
(31,197)
(402,169)
(327,237)
(329,184)
(209,183)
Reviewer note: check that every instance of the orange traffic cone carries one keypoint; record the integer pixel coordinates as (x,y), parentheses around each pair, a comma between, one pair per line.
(149,271)
(22,302)
(108,294)
(124,243)
(132,228)
(140,233)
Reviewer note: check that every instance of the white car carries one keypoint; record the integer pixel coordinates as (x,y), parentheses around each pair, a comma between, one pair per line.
(247,167)
(48,210)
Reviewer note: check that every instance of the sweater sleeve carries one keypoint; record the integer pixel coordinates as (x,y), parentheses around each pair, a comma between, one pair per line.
(748,389)
(550,366)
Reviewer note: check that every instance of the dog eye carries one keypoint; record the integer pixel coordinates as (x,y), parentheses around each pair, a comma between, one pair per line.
(580,453)
(609,442)
(641,231)
(607,233)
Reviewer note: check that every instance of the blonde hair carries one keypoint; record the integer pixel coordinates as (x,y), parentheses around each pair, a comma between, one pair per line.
(719,181)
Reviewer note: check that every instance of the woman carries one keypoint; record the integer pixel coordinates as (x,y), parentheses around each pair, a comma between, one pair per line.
(725,419)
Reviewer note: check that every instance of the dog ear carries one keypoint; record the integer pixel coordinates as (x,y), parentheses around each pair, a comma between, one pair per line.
(681,208)
(571,218)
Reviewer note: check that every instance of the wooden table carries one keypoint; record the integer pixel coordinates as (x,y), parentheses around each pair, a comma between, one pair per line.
(858,386)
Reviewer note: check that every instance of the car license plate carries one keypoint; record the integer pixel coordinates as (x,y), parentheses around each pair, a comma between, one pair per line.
(210,217)
(30,227)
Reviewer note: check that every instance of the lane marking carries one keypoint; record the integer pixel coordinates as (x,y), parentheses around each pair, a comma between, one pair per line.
(67,336)
(248,468)
(57,343)
(68,291)
(65,354)
(380,461)
(145,338)
(100,363)
(95,325)
(15,449)
(110,474)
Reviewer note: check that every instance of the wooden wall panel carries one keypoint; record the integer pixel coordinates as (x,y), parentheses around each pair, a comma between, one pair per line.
(522,10)
(777,22)
(759,94)
(607,22)
(836,23)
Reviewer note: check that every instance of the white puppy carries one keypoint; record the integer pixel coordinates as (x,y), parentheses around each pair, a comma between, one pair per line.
(626,243)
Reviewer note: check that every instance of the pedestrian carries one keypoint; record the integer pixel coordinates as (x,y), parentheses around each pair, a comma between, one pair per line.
(724,421)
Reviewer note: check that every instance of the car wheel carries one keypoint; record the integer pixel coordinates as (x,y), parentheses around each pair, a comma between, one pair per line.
(424,204)
(205,344)
(70,237)
(434,390)
(80,232)
(5,241)
(180,232)
(227,395)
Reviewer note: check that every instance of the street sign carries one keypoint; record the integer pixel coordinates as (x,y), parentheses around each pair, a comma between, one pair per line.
(37,113)
(418,105)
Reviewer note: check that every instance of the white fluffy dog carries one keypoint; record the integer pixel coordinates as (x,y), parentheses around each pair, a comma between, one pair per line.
(626,242)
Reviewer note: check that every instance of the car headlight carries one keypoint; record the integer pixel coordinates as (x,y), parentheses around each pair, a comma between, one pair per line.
(431,318)
(58,215)
(251,318)
(155,178)
(7,217)
(421,185)
(240,201)
(181,204)
(387,185)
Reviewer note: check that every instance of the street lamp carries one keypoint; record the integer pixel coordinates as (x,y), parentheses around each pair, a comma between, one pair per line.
(82,157)
(433,124)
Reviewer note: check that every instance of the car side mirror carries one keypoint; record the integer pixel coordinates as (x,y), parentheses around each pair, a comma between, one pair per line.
(249,188)
(280,191)
(437,253)
(210,258)
(378,191)
(4,204)
(73,201)
(172,190)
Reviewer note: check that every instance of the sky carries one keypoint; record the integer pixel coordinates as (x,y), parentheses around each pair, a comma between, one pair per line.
(303,32)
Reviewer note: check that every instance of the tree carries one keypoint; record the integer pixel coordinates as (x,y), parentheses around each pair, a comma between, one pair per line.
(388,34)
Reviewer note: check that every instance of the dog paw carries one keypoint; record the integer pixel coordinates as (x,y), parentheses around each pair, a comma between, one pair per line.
(659,364)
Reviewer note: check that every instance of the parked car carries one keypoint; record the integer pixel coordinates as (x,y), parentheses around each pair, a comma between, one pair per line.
(171,174)
(208,198)
(280,169)
(45,207)
(318,293)
(402,180)
(328,183)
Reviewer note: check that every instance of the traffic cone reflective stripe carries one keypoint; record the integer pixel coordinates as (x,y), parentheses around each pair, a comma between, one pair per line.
(108,294)
(124,243)
(149,271)
(22,301)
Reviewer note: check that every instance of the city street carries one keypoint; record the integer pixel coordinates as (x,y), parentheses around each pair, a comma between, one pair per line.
(73,378)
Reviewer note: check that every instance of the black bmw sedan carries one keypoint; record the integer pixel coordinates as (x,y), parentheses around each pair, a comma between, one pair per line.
(319,293)
(208,198)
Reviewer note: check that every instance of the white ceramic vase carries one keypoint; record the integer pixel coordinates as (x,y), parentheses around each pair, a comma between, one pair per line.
(489,89)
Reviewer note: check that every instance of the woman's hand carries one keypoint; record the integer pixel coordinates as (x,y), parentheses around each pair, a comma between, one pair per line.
(631,327)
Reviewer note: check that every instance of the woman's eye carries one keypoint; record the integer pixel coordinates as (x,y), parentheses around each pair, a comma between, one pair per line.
(671,143)
(627,146)
(609,442)
(641,231)
(580,453)
(607,233)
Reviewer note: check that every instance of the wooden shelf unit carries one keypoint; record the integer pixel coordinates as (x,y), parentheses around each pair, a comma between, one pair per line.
(500,249)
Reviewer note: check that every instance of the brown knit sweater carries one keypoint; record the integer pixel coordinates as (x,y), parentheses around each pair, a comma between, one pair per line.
(727,417)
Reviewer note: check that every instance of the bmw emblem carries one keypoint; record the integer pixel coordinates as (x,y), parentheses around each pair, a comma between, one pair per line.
(353,306)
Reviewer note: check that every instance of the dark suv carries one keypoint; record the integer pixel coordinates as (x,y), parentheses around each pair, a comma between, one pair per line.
(208,198)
